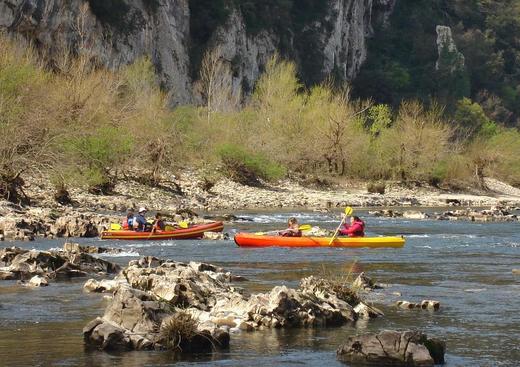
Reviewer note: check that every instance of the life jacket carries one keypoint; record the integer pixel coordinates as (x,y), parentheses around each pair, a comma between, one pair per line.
(128,223)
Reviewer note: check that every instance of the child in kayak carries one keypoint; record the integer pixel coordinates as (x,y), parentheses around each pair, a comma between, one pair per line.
(128,223)
(293,229)
(356,228)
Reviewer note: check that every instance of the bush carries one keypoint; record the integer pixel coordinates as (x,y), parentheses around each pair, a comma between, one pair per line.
(246,168)
(376,188)
(93,157)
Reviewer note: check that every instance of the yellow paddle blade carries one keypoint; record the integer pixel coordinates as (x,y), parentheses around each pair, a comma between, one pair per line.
(184,225)
(115,226)
(349,211)
(305,227)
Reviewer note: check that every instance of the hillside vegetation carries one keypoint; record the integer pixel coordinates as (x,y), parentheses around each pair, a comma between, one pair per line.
(86,126)
(402,56)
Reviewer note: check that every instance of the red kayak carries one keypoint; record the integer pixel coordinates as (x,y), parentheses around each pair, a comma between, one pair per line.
(196,231)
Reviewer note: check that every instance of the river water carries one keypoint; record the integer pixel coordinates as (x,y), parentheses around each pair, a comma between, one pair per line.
(465,266)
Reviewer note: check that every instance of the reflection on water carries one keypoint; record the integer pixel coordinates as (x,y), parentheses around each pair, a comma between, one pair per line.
(466,266)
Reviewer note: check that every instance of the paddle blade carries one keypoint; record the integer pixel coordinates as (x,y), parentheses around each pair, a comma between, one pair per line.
(349,211)
(115,226)
(305,227)
(183,225)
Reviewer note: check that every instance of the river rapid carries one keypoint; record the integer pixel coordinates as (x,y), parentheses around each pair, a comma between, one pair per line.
(466,266)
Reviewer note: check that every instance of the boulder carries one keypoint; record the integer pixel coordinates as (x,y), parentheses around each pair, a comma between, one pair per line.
(430,305)
(516,271)
(365,311)
(392,348)
(38,281)
(106,336)
(102,286)
(407,305)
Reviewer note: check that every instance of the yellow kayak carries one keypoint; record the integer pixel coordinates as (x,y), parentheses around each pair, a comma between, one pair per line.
(254,240)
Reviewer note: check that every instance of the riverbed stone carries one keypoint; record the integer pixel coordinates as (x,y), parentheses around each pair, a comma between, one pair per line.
(430,305)
(38,281)
(516,271)
(407,305)
(392,348)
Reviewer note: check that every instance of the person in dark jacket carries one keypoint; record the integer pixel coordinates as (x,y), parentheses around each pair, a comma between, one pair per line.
(356,228)
(293,229)
(140,224)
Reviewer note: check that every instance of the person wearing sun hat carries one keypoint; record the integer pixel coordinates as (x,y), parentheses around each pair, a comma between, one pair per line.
(140,220)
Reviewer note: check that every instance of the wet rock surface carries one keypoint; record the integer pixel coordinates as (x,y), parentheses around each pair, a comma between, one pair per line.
(56,264)
(392,348)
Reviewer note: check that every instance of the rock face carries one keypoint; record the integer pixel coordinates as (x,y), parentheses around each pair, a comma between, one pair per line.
(160,29)
(446,46)
(392,348)
(150,292)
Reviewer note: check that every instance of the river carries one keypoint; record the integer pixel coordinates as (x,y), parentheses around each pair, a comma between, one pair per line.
(465,266)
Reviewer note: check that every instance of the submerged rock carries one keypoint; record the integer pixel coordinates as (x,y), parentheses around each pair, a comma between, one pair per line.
(425,305)
(392,348)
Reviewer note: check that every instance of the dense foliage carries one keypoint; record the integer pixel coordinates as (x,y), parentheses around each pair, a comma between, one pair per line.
(403,55)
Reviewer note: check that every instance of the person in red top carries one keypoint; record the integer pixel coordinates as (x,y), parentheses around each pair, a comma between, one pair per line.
(356,228)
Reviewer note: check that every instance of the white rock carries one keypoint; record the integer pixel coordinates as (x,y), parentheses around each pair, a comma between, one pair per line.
(38,281)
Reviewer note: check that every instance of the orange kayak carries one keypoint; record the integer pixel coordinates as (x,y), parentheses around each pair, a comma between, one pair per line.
(254,240)
(196,231)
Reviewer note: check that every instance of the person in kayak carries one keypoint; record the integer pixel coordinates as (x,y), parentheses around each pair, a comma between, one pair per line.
(158,224)
(128,223)
(140,224)
(356,228)
(293,229)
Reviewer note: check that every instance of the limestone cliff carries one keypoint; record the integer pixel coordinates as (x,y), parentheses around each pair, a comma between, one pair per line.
(117,32)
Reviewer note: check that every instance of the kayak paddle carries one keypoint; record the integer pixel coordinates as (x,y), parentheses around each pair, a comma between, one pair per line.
(348,212)
(303,227)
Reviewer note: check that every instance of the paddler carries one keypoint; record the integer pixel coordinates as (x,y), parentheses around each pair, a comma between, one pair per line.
(293,229)
(356,228)
(140,224)
(158,224)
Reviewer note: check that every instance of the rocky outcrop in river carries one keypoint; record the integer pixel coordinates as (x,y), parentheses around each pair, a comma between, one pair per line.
(150,291)
(25,264)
